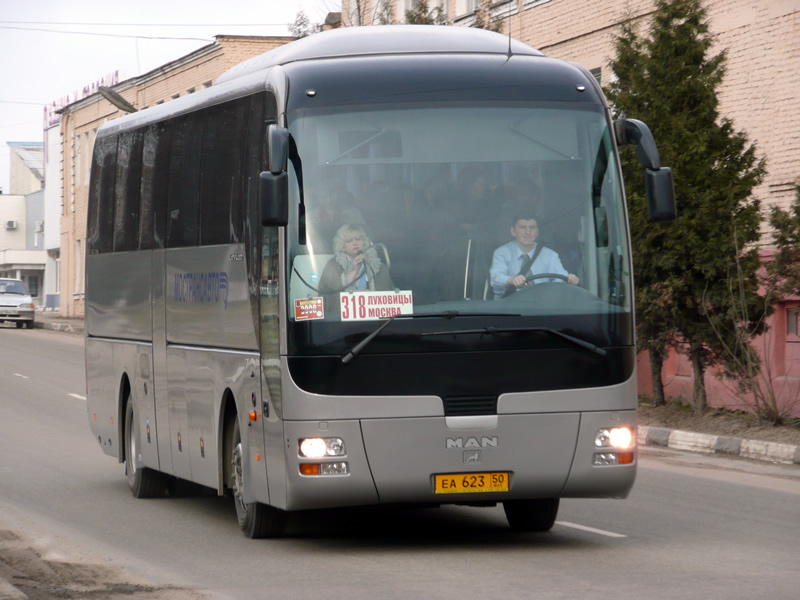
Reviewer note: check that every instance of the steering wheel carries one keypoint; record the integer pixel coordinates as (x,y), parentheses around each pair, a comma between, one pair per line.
(563,278)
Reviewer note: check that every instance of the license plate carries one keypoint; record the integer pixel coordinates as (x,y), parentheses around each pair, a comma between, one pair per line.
(466,483)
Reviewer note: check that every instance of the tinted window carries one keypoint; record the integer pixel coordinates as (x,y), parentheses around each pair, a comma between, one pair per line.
(155,185)
(184,183)
(100,217)
(222,160)
(128,184)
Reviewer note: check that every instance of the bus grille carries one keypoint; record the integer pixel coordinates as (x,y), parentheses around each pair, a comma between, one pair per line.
(462,406)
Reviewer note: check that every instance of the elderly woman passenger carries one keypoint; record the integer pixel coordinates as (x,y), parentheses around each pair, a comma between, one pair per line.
(355,266)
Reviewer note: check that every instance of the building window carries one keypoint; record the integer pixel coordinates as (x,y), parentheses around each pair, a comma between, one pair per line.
(793,324)
(33,285)
(532,3)
(597,74)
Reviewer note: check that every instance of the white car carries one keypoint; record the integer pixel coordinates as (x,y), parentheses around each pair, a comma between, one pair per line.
(16,304)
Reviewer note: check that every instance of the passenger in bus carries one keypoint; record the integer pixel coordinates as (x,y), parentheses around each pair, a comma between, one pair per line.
(514,262)
(355,266)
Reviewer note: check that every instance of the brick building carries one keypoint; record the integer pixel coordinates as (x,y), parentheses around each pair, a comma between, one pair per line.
(80,121)
(760,94)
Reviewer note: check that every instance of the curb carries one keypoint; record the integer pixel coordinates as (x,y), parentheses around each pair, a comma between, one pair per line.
(706,443)
(54,326)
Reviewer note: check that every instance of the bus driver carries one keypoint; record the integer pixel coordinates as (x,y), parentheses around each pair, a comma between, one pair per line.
(513,262)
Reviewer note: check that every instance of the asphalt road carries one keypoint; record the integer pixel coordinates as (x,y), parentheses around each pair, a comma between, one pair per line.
(694,526)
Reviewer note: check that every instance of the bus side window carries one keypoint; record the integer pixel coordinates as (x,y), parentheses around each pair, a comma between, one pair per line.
(100,218)
(127,187)
(184,184)
(222,163)
(155,184)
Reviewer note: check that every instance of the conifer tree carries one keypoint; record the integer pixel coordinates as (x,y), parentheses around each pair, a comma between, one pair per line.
(422,15)
(783,272)
(683,271)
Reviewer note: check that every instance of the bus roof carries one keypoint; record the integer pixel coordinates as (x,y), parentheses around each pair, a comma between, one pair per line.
(386,39)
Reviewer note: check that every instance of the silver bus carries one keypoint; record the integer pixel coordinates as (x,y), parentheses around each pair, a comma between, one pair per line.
(292,292)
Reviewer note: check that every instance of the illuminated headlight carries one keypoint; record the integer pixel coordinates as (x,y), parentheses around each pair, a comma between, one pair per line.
(618,437)
(321,447)
(617,447)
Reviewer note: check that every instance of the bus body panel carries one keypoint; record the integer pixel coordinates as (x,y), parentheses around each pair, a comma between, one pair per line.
(321,491)
(200,380)
(112,362)
(590,481)
(119,306)
(102,391)
(208,298)
(405,454)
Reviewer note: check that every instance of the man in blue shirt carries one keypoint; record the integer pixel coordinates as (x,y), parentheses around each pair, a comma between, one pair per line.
(509,259)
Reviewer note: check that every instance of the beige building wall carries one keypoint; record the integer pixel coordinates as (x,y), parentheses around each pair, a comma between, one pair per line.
(81,120)
(760,93)
(21,179)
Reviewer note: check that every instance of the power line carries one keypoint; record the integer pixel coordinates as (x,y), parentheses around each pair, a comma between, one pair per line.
(144,24)
(115,35)
(18,102)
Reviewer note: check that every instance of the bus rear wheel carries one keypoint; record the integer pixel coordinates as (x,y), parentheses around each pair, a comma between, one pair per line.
(531,515)
(256,520)
(143,482)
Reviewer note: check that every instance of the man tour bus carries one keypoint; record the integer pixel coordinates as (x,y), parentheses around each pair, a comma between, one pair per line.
(289,290)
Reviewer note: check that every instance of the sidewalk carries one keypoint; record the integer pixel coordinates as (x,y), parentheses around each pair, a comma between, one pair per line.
(52,320)
(648,436)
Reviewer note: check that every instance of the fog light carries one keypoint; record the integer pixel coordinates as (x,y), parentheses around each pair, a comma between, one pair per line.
(605,458)
(321,447)
(335,468)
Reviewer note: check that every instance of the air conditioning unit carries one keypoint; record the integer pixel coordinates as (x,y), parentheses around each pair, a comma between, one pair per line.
(11,224)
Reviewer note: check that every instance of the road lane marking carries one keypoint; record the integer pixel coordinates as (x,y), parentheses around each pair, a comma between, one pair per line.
(590,529)
(77,396)
(23,376)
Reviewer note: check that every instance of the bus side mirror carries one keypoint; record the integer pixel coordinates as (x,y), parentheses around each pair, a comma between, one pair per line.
(273,185)
(660,194)
(657,179)
(277,148)
(273,192)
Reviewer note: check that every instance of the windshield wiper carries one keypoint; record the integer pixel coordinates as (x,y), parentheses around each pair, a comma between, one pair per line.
(494,330)
(446,314)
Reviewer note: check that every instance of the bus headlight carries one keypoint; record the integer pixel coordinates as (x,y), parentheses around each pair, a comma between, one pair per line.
(617,444)
(321,447)
(618,437)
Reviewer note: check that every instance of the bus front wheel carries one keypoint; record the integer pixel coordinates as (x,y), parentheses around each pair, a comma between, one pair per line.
(257,520)
(531,515)
(143,482)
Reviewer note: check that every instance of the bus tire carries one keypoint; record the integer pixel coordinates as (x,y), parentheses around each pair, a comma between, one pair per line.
(256,520)
(143,482)
(531,515)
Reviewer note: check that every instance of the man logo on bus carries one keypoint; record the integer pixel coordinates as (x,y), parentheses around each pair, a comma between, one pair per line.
(472,442)
(202,288)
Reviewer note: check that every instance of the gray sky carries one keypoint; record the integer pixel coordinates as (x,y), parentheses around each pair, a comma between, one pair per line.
(51,48)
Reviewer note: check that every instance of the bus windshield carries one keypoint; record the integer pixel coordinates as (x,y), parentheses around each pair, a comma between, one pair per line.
(430,208)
